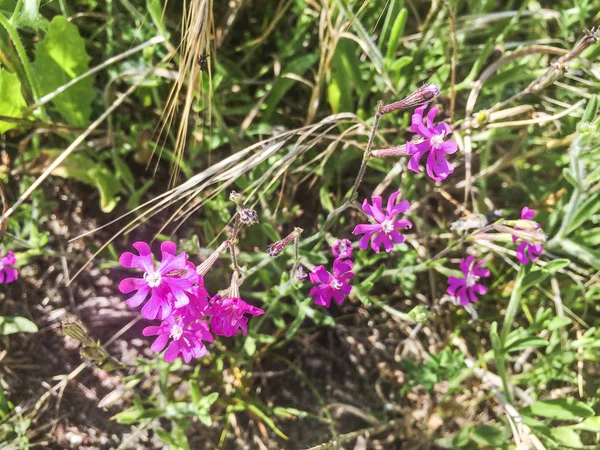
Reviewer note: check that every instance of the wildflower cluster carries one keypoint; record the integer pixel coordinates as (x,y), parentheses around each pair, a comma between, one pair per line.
(386,226)
(173,291)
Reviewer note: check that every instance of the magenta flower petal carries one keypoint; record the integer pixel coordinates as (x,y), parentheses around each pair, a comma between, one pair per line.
(387,229)
(436,166)
(330,286)
(466,289)
(228,315)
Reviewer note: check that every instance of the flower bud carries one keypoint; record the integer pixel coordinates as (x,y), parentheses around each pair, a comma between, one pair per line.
(276,248)
(421,96)
(248,216)
(205,266)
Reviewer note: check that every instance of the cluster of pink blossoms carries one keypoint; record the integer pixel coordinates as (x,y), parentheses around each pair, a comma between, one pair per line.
(385,227)
(178,298)
(8,273)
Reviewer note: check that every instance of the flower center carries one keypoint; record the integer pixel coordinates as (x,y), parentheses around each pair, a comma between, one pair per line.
(176,332)
(437,140)
(336,284)
(152,278)
(387,226)
(471,280)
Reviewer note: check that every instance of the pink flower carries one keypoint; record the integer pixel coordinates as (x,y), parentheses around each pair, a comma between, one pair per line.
(228,315)
(527,251)
(331,286)
(386,230)
(437,167)
(198,306)
(8,274)
(158,281)
(465,289)
(342,248)
(186,336)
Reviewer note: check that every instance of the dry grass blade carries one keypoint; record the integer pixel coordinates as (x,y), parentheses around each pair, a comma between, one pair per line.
(197,27)
(225,171)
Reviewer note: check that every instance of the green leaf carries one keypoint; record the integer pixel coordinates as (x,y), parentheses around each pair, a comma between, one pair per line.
(395,35)
(556,265)
(566,436)
(250,346)
(487,435)
(83,168)
(589,424)
(60,57)
(12,102)
(526,342)
(12,325)
(561,408)
(585,212)
(558,322)
(135,415)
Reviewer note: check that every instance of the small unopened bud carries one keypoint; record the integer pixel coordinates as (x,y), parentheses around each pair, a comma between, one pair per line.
(234,288)
(205,266)
(300,273)
(523,224)
(235,197)
(533,236)
(421,96)
(248,216)
(276,248)
(75,330)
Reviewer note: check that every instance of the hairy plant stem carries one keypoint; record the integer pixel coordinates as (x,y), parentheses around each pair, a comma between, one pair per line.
(361,172)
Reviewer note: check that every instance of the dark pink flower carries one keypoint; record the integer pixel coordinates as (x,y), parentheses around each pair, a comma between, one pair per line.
(172,276)
(8,274)
(186,336)
(228,315)
(527,251)
(437,167)
(342,248)
(331,286)
(198,306)
(386,230)
(465,289)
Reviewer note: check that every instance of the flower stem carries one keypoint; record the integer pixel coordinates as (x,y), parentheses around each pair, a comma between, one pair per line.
(361,173)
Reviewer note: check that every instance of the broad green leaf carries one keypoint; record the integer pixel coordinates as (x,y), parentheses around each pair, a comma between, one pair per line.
(12,102)
(561,408)
(566,436)
(60,57)
(487,435)
(12,325)
(83,168)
